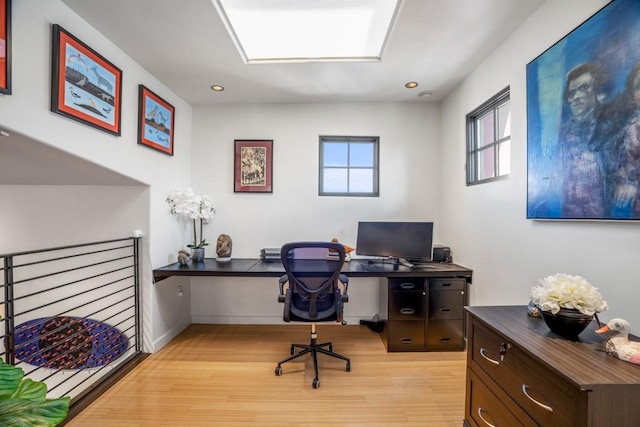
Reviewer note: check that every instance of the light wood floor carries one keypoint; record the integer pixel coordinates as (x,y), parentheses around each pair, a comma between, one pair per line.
(223,375)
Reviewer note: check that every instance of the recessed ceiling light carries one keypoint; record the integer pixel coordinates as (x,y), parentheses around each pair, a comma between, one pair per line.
(217,88)
(425,93)
(310,30)
(411,85)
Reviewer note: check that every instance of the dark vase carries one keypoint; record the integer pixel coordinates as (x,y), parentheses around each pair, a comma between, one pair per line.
(568,322)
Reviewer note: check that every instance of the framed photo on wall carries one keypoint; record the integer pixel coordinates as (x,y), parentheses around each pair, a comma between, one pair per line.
(84,85)
(155,121)
(583,121)
(253,166)
(5,47)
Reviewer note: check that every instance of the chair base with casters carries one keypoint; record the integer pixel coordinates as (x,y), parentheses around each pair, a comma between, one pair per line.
(313,348)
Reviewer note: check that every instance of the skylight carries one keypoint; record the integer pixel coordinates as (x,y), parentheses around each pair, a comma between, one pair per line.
(309,30)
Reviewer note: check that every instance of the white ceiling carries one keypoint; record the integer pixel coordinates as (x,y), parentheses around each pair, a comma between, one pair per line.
(186,45)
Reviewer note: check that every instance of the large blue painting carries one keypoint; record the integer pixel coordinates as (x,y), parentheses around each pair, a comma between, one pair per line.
(583,120)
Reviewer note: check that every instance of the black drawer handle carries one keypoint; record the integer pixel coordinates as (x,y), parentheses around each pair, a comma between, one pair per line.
(407,311)
(406,341)
(480,411)
(445,310)
(445,285)
(408,285)
(542,405)
(445,340)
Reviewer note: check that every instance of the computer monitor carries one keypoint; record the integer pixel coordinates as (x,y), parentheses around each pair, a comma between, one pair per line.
(411,241)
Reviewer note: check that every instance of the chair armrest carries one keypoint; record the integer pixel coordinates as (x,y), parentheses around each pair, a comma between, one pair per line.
(345,281)
(281,282)
(287,306)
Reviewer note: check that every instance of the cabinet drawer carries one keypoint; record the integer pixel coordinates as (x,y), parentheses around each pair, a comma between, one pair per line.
(446,305)
(447,284)
(407,305)
(445,335)
(406,335)
(484,408)
(407,284)
(544,395)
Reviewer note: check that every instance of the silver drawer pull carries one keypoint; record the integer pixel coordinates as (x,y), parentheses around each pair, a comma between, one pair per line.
(407,311)
(407,285)
(482,353)
(482,418)
(542,405)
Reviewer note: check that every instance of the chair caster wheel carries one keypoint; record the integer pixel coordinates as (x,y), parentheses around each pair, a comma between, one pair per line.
(315,383)
(278,370)
(330,348)
(292,350)
(348,367)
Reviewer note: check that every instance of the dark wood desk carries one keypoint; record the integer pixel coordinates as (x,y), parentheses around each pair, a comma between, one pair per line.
(422,307)
(253,267)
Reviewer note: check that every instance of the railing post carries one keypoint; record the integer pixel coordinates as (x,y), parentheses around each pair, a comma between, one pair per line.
(138,316)
(9,326)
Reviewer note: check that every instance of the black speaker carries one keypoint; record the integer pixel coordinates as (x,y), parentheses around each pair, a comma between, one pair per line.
(442,253)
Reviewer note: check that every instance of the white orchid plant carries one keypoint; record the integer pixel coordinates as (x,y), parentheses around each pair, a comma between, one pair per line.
(197,208)
(563,290)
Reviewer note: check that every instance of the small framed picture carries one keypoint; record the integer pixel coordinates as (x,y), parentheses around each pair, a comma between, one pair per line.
(84,86)
(253,167)
(5,47)
(155,121)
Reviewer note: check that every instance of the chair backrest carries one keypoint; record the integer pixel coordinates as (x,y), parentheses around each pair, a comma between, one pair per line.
(313,270)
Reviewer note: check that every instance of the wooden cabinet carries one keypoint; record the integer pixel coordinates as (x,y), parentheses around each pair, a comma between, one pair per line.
(521,374)
(424,313)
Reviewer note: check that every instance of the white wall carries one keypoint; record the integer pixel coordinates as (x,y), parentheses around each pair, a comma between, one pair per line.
(487,226)
(409,189)
(27,111)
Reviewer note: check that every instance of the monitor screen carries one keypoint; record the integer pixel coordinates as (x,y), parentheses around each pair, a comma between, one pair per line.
(408,240)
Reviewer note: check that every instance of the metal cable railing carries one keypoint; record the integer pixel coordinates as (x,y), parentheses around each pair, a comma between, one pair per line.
(71,314)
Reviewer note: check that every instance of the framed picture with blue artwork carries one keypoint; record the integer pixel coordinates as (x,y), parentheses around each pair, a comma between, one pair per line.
(155,121)
(583,121)
(85,86)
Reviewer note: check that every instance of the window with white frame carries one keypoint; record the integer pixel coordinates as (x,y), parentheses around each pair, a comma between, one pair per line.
(348,166)
(489,140)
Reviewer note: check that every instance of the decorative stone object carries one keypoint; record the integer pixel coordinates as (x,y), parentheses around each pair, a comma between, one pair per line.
(184,256)
(223,248)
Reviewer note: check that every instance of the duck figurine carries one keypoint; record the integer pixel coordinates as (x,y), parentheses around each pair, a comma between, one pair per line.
(619,345)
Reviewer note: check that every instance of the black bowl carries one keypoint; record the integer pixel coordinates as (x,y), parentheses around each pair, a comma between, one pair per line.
(568,323)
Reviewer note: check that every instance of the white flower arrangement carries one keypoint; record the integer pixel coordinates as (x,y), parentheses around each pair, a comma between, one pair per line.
(189,204)
(566,291)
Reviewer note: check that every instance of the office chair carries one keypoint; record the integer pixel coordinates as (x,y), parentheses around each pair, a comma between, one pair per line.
(313,290)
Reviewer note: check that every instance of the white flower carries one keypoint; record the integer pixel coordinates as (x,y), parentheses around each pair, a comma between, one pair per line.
(566,291)
(189,204)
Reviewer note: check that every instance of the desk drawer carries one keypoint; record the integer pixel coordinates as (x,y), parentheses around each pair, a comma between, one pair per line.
(406,305)
(445,335)
(484,408)
(406,335)
(445,305)
(544,395)
(447,284)
(407,284)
